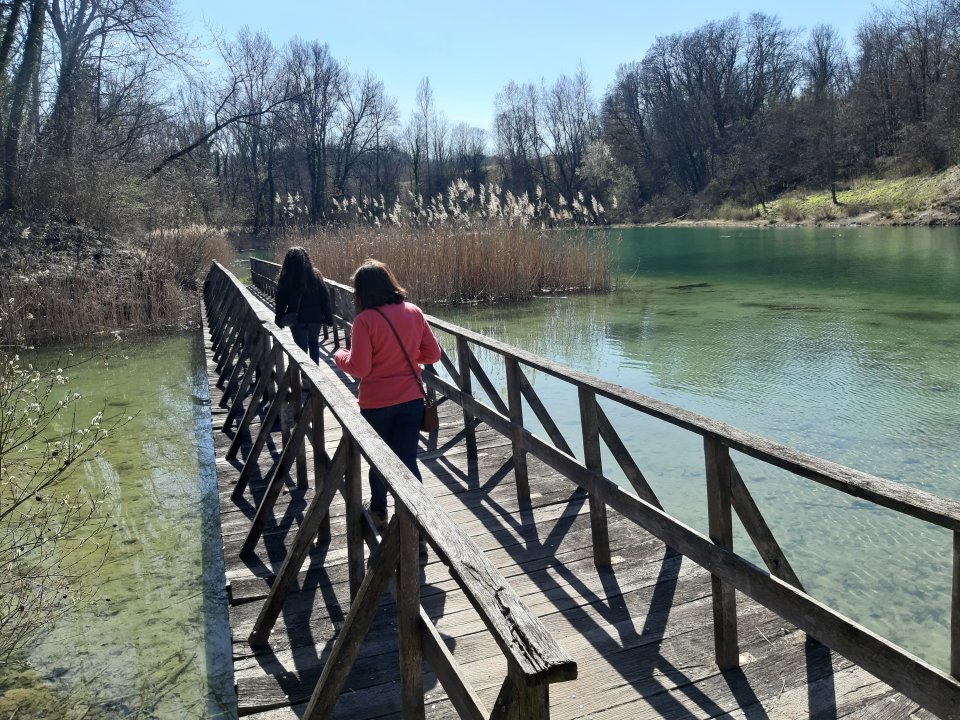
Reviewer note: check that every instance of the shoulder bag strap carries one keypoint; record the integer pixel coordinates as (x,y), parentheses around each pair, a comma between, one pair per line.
(403,349)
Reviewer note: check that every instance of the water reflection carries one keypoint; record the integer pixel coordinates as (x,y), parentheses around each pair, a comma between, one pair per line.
(842,344)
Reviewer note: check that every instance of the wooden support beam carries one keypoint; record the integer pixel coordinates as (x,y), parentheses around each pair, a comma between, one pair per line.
(463,357)
(408,619)
(353,495)
(514,396)
(626,462)
(533,400)
(316,513)
(955,610)
(599,530)
(758,530)
(252,460)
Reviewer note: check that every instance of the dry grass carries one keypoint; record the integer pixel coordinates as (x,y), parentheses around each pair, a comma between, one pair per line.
(68,285)
(448,264)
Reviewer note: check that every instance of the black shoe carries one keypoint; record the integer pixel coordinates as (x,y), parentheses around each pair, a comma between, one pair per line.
(378,517)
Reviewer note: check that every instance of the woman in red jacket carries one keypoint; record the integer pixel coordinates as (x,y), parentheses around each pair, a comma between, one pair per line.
(390,398)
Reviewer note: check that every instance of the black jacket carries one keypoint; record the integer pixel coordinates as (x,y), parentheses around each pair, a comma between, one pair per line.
(312,307)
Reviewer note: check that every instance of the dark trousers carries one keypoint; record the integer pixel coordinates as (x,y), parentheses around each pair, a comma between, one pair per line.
(399,426)
(307,338)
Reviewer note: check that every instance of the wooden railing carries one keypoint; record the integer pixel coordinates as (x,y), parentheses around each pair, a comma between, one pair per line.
(778,588)
(257,361)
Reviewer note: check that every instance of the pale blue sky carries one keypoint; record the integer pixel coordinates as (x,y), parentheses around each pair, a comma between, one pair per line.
(471,49)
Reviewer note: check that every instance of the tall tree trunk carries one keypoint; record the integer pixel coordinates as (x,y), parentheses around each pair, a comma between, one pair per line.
(19,94)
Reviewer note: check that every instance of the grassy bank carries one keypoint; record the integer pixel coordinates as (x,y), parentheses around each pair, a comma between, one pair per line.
(915,200)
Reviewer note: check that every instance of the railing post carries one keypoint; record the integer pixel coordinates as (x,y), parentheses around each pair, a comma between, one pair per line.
(408,619)
(955,610)
(590,425)
(466,387)
(720,518)
(354,501)
(532,701)
(321,460)
(515,401)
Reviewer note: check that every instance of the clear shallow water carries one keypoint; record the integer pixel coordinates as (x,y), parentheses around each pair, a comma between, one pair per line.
(155,642)
(844,344)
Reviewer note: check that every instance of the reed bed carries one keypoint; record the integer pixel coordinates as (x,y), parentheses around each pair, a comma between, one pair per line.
(86,287)
(461,247)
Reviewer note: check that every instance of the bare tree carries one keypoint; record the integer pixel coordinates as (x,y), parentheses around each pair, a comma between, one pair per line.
(316,80)
(18,96)
(569,123)
(364,119)
(517,136)
(825,77)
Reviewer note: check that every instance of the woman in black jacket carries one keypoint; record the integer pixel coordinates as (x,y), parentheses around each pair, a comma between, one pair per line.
(302,301)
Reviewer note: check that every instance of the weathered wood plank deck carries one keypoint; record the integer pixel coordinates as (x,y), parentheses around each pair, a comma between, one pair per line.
(640,632)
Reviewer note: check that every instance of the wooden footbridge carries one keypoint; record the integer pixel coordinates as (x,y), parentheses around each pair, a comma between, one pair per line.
(549,590)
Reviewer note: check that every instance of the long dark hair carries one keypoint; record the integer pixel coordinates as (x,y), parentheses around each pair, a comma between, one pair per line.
(375,285)
(298,272)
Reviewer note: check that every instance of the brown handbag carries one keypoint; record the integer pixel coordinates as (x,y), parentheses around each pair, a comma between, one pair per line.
(431,419)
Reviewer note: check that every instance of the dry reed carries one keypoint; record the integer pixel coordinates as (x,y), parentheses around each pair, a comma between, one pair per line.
(76,296)
(462,246)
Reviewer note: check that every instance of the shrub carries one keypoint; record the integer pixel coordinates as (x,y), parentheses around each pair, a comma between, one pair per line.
(42,525)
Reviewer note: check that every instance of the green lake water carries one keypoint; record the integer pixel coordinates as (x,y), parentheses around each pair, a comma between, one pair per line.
(154,643)
(841,343)
(844,344)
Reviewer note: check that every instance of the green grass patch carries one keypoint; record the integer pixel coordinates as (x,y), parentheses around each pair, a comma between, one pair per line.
(893,198)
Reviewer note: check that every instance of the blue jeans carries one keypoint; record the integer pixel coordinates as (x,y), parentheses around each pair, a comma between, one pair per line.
(399,426)
(307,337)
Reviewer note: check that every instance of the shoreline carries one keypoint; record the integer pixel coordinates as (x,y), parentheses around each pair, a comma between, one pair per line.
(923,218)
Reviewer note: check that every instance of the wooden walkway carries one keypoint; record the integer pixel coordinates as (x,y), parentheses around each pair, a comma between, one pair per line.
(640,631)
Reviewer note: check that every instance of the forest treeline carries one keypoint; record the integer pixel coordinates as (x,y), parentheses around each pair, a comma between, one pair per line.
(106,119)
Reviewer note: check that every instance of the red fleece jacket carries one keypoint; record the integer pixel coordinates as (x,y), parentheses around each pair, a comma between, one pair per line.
(376,358)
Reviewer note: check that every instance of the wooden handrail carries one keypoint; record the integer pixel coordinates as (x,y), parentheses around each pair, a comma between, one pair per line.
(779,589)
(531,652)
